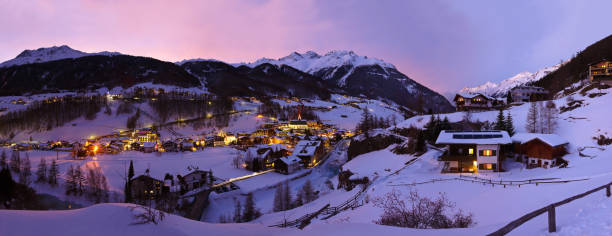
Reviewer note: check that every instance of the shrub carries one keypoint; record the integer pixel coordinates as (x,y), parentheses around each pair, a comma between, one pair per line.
(420,212)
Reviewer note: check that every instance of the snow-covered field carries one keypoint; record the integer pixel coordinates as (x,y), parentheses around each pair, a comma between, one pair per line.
(491,206)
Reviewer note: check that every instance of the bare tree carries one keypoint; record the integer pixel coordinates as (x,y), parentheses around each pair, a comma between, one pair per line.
(25,175)
(250,212)
(237,160)
(278,198)
(41,172)
(532,119)
(308,191)
(420,212)
(53,172)
(15,162)
(549,115)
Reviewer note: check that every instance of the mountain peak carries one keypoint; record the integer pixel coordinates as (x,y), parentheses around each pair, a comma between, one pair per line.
(53,53)
(501,88)
(311,61)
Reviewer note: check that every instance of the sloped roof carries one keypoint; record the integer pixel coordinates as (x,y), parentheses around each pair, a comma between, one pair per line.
(306,148)
(473,137)
(290,160)
(550,139)
(473,95)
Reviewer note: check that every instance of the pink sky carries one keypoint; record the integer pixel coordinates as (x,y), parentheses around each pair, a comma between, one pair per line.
(442,44)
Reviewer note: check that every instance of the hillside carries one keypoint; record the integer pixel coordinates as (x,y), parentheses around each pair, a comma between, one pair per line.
(50,54)
(577,68)
(91,72)
(502,88)
(362,75)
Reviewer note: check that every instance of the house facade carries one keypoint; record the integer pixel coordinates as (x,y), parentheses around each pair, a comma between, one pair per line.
(195,179)
(473,151)
(601,72)
(539,150)
(528,94)
(287,165)
(310,152)
(145,187)
(476,102)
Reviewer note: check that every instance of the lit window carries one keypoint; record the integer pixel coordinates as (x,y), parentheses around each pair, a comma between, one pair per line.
(471,151)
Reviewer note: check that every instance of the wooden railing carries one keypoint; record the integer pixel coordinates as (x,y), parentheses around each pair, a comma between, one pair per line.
(503,183)
(552,226)
(326,210)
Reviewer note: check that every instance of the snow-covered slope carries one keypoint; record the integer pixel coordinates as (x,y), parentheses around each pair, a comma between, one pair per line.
(311,62)
(501,88)
(49,54)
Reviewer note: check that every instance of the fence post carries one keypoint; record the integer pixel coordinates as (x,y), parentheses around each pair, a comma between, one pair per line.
(608,190)
(552,226)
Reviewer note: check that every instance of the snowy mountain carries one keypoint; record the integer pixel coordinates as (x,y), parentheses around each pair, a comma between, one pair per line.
(362,76)
(500,89)
(50,54)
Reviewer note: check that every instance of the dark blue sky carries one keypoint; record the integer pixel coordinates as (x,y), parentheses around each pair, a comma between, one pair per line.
(443,44)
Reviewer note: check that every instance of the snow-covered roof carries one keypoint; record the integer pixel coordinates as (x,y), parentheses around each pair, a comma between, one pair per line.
(290,160)
(473,95)
(473,137)
(148,144)
(550,139)
(306,148)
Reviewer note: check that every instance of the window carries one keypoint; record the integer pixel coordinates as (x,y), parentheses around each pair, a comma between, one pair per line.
(471,151)
(487,152)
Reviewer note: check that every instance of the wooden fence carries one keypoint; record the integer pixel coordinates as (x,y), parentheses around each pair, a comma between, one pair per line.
(552,227)
(326,210)
(504,183)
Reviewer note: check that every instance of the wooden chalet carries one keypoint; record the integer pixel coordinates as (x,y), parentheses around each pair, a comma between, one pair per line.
(145,187)
(539,150)
(310,152)
(601,72)
(287,165)
(473,151)
(528,94)
(195,179)
(476,102)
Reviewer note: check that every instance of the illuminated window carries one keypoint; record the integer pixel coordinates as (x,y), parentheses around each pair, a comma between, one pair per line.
(487,152)
(471,151)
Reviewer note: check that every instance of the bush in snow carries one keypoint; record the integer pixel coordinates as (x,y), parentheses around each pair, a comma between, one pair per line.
(420,212)
(145,215)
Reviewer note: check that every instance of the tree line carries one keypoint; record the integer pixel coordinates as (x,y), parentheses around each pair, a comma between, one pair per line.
(45,115)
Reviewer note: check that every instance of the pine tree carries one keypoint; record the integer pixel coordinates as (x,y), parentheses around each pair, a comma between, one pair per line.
(308,192)
(446,125)
(41,172)
(131,171)
(532,119)
(15,162)
(211,178)
(510,125)
(3,160)
(509,99)
(420,142)
(250,212)
(53,172)
(429,128)
(278,198)
(237,211)
(500,123)
(25,175)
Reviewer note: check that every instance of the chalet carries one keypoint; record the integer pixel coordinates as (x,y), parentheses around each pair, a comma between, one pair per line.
(187,146)
(476,101)
(287,165)
(473,151)
(539,150)
(528,94)
(195,179)
(263,157)
(145,187)
(170,146)
(310,152)
(148,147)
(601,72)
(219,141)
